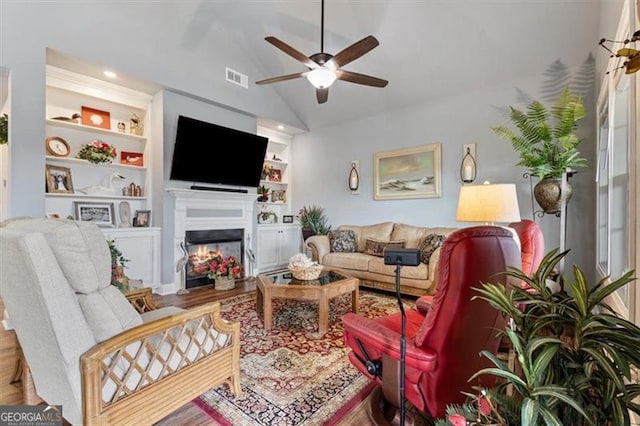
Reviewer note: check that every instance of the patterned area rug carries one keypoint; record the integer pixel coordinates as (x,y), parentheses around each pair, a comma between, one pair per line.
(287,376)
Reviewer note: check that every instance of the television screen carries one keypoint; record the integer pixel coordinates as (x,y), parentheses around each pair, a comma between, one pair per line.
(209,153)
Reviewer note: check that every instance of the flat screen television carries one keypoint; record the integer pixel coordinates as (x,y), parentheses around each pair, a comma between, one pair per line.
(210,153)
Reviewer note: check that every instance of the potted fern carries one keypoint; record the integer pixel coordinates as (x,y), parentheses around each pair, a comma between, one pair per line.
(574,355)
(547,144)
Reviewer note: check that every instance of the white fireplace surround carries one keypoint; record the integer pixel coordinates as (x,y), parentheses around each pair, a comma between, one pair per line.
(196,210)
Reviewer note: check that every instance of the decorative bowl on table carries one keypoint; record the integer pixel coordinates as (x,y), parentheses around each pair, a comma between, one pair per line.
(305,272)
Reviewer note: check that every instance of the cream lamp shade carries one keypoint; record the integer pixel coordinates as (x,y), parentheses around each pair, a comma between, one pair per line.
(488,203)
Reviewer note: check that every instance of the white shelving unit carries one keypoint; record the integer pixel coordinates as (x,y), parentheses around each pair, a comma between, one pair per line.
(277,159)
(66,93)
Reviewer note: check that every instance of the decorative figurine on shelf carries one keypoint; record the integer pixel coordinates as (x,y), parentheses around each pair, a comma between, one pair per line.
(121,126)
(125,215)
(135,127)
(274,158)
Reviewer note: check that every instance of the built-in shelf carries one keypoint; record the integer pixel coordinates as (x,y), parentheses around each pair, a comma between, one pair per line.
(102,197)
(99,130)
(281,164)
(270,182)
(51,158)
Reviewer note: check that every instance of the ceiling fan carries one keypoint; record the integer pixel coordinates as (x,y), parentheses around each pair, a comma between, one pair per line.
(324,68)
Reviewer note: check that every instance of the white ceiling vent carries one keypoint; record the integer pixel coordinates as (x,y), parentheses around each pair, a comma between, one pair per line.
(237,78)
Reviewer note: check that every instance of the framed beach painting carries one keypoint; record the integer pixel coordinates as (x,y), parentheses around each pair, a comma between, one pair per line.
(408,173)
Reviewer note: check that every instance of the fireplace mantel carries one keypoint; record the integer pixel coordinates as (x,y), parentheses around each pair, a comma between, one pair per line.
(196,209)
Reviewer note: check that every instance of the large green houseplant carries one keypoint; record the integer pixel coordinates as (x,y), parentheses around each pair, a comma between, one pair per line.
(547,144)
(574,355)
(313,221)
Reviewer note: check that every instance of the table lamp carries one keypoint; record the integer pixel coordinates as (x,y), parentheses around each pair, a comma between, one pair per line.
(488,203)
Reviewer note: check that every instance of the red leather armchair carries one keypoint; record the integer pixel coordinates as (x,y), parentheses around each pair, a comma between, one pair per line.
(442,348)
(531,245)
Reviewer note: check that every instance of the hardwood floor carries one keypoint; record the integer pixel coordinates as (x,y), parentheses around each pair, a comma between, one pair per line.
(188,414)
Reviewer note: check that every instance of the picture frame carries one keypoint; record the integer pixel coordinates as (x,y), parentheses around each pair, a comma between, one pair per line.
(287,218)
(58,179)
(131,158)
(142,219)
(275,175)
(102,214)
(95,117)
(278,196)
(408,173)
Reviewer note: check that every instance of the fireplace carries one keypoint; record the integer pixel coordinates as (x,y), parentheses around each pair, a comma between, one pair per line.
(204,245)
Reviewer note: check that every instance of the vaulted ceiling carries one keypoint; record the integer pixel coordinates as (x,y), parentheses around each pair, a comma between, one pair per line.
(428,49)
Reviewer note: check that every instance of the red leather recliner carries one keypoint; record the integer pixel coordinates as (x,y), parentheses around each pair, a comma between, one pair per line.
(531,245)
(531,252)
(442,348)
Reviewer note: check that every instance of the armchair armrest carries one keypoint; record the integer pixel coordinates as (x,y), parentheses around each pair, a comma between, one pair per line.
(183,354)
(319,245)
(141,300)
(378,339)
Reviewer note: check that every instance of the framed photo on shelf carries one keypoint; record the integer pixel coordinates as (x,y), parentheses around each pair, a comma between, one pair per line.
(102,214)
(275,175)
(131,158)
(96,118)
(58,179)
(142,218)
(287,218)
(408,173)
(278,196)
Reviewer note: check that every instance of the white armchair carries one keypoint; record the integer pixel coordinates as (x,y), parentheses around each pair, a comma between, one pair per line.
(87,348)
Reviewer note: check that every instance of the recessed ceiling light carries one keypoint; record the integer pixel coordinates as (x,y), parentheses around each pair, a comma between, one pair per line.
(280,127)
(110,74)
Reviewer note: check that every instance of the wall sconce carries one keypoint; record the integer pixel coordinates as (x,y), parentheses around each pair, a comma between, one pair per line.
(468,167)
(354,177)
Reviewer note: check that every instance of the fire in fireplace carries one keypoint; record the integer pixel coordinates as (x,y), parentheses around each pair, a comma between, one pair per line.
(204,245)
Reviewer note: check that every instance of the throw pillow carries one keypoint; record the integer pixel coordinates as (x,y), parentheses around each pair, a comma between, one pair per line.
(376,247)
(342,241)
(429,245)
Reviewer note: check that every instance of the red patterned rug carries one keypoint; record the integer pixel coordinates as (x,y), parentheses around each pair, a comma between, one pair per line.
(287,377)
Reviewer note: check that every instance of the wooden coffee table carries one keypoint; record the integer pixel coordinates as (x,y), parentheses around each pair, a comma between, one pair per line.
(329,284)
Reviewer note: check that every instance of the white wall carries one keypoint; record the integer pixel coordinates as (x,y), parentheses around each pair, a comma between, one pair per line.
(322,159)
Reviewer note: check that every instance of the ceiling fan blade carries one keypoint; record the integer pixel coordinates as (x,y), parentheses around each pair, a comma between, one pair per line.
(353,52)
(322,95)
(282,78)
(291,51)
(354,77)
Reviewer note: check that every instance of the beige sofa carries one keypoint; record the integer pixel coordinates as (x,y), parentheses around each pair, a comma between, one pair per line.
(370,269)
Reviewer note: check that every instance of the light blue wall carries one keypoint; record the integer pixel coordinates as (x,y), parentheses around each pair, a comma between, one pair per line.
(175,104)
(322,158)
(126,38)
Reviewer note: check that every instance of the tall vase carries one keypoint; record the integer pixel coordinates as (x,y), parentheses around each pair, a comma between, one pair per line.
(548,194)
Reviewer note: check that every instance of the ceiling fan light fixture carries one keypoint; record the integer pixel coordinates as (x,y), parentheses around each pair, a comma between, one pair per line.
(321,77)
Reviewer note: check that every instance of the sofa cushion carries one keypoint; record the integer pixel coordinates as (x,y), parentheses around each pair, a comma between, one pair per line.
(412,235)
(342,241)
(420,272)
(357,261)
(429,245)
(376,247)
(379,231)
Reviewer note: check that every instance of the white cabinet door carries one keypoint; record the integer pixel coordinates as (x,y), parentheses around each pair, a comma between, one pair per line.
(142,247)
(268,247)
(290,243)
(276,245)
